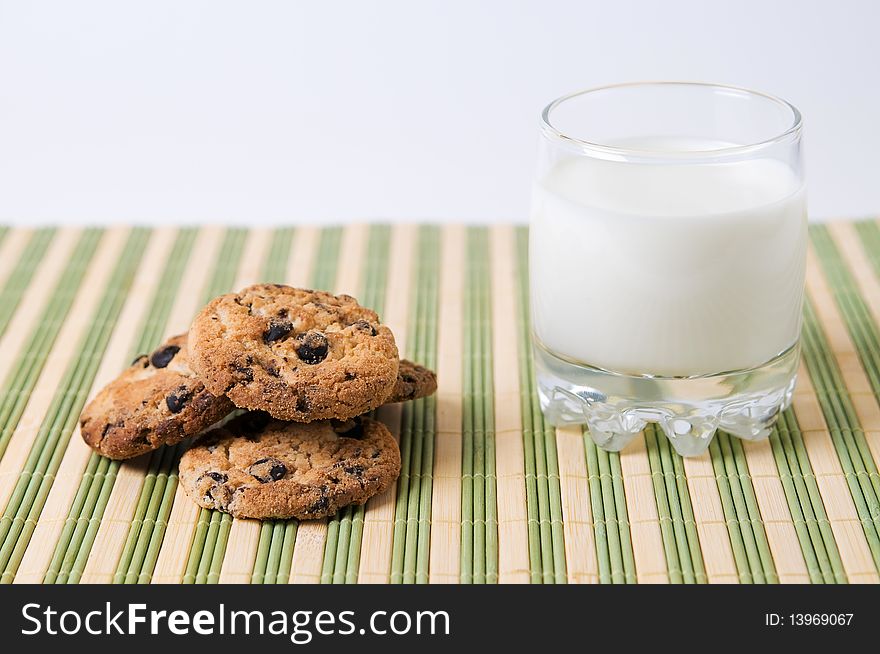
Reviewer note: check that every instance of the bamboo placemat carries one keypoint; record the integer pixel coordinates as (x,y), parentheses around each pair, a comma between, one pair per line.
(489,492)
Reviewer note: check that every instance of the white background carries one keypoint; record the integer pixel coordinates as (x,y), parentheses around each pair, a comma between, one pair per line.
(248,112)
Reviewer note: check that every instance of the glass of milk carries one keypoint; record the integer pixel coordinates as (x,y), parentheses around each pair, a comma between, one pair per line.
(667,256)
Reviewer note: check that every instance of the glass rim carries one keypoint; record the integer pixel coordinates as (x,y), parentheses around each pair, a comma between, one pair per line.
(587,147)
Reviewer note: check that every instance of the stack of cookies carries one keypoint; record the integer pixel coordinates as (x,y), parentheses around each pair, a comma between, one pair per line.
(305,365)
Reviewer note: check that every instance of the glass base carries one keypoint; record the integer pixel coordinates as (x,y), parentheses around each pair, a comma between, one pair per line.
(616,407)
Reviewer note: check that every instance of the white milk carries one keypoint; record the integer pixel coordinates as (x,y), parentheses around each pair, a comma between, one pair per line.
(668,270)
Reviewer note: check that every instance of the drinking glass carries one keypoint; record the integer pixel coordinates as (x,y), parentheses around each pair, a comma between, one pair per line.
(667,254)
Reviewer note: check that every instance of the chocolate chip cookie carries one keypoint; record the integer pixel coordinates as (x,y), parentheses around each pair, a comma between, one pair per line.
(257,467)
(156,401)
(298,354)
(413,381)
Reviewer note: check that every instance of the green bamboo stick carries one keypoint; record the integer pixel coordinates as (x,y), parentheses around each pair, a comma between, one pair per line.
(219,552)
(212,533)
(615,549)
(753,513)
(600,526)
(273,561)
(429,425)
(555,496)
(286,558)
(844,428)
(79,501)
(479,252)
(674,567)
(405,547)
(626,546)
(530,412)
(81,523)
(490,517)
(137,521)
(142,570)
(78,566)
(197,546)
(22,377)
(489,401)
(275,268)
(22,274)
(466,574)
(138,550)
(821,518)
(330,544)
(258,574)
(354,546)
(35,481)
(869,233)
(734,527)
(537,469)
(804,501)
(687,514)
(338,559)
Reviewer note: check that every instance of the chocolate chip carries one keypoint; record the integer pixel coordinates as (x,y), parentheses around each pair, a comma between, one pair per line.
(162,357)
(349,376)
(176,403)
(313,347)
(254,421)
(322,504)
(178,399)
(268,469)
(272,370)
(245,373)
(219,477)
(364,326)
(354,471)
(302,404)
(278,330)
(142,359)
(349,428)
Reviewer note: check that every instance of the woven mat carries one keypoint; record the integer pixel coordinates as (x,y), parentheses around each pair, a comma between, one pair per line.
(489,493)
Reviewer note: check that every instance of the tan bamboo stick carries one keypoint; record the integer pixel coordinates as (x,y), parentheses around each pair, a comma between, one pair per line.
(513,537)
(378,534)
(10,250)
(839,507)
(711,524)
(445,553)
(76,456)
(62,354)
(244,535)
(582,565)
(116,521)
(45,279)
(641,507)
(311,535)
(788,556)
